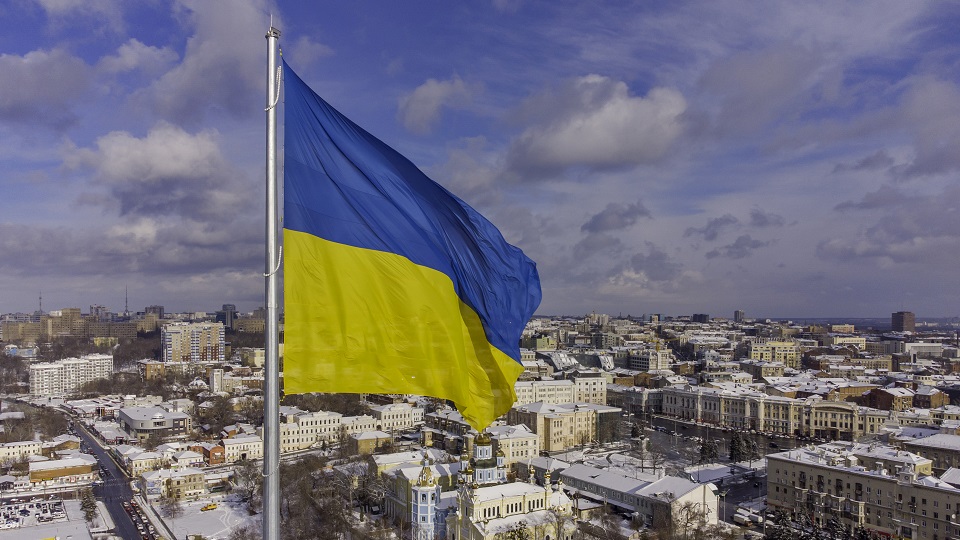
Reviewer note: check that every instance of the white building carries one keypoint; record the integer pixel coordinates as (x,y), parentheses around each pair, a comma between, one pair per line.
(397,416)
(65,376)
(242,447)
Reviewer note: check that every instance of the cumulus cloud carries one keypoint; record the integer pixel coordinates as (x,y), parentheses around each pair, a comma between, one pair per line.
(655,264)
(105,13)
(713,228)
(420,110)
(216,72)
(615,216)
(742,247)
(306,51)
(594,122)
(41,87)
(907,229)
(930,107)
(759,218)
(595,244)
(134,55)
(146,246)
(168,172)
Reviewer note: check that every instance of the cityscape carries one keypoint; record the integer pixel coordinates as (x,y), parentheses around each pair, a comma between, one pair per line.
(150,424)
(735,224)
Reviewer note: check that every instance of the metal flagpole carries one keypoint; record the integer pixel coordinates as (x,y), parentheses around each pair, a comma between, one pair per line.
(271,401)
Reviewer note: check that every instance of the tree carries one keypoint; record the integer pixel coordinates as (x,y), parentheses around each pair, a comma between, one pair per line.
(248,481)
(709,451)
(88,504)
(687,517)
(170,506)
(737,452)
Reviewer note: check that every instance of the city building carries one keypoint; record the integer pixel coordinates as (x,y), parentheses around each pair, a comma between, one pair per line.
(903,321)
(65,376)
(142,423)
(185,484)
(885,490)
(193,342)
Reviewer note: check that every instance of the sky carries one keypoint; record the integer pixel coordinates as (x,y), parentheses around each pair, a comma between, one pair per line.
(791,159)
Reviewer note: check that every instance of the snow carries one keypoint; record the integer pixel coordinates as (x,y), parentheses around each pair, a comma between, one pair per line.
(213,524)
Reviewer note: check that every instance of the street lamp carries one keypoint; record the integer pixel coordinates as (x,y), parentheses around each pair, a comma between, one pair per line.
(723,512)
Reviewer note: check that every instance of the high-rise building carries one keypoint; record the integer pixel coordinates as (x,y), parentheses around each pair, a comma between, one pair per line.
(193,342)
(155,310)
(700,318)
(738,316)
(99,313)
(227,314)
(903,321)
(65,376)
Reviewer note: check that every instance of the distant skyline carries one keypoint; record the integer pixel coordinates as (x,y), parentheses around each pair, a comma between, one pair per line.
(680,157)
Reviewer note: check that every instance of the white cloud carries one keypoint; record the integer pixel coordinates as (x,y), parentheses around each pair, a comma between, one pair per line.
(420,110)
(168,172)
(134,55)
(219,70)
(595,123)
(42,87)
(306,51)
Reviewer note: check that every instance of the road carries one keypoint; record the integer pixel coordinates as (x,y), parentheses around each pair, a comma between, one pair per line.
(115,489)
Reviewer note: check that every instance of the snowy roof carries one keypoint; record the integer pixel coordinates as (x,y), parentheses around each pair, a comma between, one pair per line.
(940,440)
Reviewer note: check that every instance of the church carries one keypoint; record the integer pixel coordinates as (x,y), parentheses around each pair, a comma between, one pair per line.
(484,505)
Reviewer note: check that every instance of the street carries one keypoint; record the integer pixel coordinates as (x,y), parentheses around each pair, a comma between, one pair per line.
(115,489)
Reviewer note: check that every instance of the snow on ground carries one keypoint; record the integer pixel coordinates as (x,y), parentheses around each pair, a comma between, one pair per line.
(213,524)
(74,527)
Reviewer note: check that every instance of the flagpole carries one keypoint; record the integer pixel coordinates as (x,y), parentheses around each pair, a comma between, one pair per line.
(271,401)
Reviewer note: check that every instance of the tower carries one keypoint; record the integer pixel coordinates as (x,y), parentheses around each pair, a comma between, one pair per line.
(425,494)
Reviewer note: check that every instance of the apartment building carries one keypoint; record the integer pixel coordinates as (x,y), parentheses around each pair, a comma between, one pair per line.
(193,342)
(885,490)
(785,352)
(66,376)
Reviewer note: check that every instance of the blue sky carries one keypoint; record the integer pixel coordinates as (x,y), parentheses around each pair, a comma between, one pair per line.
(785,158)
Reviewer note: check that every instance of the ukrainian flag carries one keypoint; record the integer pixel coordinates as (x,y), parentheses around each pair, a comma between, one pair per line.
(391,283)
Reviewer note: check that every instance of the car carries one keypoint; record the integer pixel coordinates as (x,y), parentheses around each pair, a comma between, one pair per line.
(211,506)
(774,445)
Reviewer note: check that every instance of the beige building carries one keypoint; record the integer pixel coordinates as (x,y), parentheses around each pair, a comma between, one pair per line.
(549,391)
(885,490)
(785,352)
(741,407)
(758,369)
(397,416)
(559,427)
(186,484)
(516,443)
(241,447)
(193,342)
(79,469)
(15,451)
